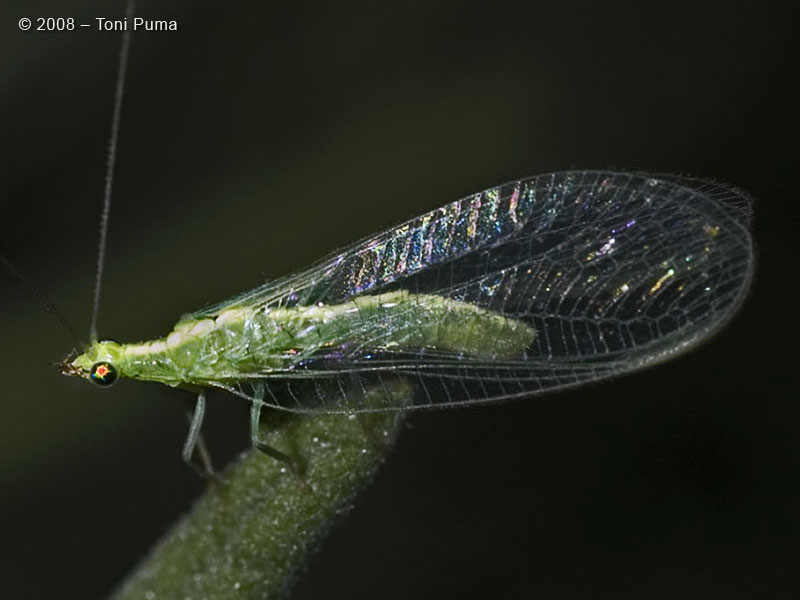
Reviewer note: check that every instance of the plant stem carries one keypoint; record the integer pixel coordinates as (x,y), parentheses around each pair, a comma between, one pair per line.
(249,536)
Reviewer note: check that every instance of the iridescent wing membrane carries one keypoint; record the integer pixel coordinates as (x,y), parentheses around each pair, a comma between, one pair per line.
(613,271)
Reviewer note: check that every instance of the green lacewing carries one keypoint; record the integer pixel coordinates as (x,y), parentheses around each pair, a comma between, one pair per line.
(534,285)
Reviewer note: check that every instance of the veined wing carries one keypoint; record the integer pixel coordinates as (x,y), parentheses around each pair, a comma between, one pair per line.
(612,271)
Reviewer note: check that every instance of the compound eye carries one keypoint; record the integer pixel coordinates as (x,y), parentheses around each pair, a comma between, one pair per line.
(103,374)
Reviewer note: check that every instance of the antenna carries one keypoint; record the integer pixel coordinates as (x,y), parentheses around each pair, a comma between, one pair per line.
(41,298)
(110,160)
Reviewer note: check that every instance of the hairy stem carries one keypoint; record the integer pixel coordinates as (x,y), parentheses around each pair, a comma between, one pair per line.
(249,536)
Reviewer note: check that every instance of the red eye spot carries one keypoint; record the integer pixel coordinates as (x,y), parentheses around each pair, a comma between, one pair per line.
(103,374)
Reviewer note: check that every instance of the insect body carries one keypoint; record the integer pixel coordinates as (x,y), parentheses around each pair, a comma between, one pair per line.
(538,284)
(244,342)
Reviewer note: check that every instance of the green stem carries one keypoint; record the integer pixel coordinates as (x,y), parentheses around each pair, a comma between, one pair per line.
(249,536)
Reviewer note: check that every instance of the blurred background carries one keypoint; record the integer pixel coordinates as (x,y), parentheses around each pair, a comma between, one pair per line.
(261,136)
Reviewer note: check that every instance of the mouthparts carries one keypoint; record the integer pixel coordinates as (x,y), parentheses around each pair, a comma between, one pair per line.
(65,367)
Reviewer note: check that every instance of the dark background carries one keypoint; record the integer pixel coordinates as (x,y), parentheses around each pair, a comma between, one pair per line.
(260,137)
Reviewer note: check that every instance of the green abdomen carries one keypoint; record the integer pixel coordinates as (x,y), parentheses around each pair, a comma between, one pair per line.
(246,341)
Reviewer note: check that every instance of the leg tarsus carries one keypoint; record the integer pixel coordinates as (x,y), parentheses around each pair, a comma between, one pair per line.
(255,439)
(194,439)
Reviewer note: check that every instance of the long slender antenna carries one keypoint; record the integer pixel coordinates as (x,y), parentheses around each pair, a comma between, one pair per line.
(41,299)
(110,160)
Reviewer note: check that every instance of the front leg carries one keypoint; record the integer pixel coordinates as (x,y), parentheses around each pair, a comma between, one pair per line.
(194,439)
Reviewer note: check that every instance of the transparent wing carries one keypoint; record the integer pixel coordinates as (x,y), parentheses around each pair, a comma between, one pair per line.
(613,271)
